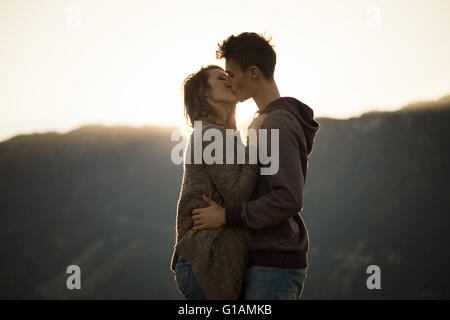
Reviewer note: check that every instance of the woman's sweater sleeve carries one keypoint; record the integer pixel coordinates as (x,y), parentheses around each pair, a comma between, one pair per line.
(235,180)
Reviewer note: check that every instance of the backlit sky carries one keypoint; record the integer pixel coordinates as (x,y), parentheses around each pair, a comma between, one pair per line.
(66,63)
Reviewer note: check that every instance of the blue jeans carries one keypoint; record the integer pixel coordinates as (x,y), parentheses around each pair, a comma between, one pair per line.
(261,283)
(271,283)
(186,281)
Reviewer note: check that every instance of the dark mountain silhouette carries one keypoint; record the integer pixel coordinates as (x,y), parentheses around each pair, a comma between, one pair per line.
(105,199)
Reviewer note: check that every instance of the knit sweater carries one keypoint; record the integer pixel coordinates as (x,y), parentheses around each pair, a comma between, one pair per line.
(218,256)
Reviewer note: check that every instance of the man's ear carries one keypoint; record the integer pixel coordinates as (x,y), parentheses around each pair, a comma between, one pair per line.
(254,73)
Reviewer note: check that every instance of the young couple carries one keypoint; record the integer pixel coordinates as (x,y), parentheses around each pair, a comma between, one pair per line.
(239,234)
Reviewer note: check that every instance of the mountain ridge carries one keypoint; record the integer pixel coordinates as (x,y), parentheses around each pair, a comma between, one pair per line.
(443,102)
(105,199)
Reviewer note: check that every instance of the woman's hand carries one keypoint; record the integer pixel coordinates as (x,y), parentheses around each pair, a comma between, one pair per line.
(210,217)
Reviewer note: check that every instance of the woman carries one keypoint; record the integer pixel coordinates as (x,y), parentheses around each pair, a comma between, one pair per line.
(210,264)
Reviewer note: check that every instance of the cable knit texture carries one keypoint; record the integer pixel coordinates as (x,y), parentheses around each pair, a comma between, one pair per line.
(218,256)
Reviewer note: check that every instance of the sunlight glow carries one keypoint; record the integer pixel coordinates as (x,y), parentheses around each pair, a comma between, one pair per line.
(69,63)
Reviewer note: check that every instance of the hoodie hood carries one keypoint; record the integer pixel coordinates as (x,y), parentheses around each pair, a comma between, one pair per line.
(303,114)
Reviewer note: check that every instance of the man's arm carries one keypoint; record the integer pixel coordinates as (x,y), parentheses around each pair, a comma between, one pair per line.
(285,197)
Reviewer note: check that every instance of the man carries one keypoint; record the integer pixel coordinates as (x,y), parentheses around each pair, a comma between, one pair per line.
(279,239)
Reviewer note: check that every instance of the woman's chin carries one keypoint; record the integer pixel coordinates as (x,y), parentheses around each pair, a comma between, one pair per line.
(232,103)
(235,100)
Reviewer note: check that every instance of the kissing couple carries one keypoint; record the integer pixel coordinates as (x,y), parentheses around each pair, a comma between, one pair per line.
(239,233)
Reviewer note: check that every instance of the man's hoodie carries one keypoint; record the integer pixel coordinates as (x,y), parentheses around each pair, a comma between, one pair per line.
(279,237)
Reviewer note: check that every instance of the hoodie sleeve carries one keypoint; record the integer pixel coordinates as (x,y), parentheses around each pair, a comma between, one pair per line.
(285,198)
(235,182)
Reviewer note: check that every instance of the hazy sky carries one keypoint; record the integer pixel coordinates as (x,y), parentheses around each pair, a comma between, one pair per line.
(68,63)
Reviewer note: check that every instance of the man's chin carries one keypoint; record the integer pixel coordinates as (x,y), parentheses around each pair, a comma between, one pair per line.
(241,98)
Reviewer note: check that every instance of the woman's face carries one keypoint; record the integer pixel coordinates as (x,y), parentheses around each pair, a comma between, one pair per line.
(219,92)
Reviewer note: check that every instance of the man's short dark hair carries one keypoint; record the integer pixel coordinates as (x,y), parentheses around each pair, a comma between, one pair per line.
(250,49)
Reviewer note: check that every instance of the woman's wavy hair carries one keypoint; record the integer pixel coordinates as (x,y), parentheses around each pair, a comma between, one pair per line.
(195,104)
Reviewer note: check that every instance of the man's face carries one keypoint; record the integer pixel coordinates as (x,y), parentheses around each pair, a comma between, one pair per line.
(239,81)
